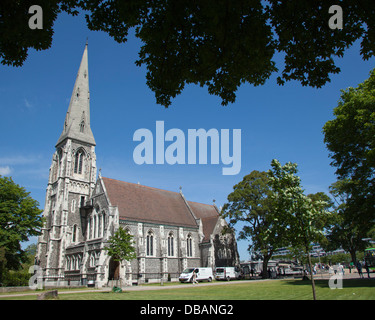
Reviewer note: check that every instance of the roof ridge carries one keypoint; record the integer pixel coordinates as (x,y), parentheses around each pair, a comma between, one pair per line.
(141,185)
(158,189)
(187,205)
(206,204)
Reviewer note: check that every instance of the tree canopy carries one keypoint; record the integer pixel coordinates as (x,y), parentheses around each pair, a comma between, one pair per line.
(304,217)
(350,138)
(20,218)
(275,211)
(346,230)
(218,44)
(120,246)
(250,203)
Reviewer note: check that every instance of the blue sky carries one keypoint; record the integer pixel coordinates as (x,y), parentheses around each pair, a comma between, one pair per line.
(276,122)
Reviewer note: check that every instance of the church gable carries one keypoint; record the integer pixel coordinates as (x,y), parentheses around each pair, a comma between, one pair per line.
(225,245)
(208,215)
(98,189)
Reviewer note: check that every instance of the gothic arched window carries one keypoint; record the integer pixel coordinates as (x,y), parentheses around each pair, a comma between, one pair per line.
(170,245)
(103,223)
(78,161)
(88,234)
(150,243)
(189,248)
(99,233)
(94,227)
(60,155)
(73,263)
(92,261)
(82,126)
(75,233)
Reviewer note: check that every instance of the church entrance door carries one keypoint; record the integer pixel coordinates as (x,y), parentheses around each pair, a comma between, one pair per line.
(114,270)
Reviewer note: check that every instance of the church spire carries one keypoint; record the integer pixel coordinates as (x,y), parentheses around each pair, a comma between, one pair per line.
(77,120)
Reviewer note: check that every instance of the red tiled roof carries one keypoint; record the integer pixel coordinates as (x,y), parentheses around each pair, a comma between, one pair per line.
(202,210)
(146,204)
(209,217)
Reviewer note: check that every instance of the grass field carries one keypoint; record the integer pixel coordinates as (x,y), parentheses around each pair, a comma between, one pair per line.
(353,289)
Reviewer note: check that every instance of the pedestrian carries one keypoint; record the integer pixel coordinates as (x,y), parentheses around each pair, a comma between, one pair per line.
(367,270)
(359,268)
(194,277)
(330,269)
(341,269)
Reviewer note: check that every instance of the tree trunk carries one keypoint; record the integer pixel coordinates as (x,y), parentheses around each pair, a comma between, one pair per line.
(353,255)
(312,276)
(265,264)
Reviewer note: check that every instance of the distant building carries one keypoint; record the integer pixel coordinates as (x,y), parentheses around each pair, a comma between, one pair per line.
(82,211)
(316,251)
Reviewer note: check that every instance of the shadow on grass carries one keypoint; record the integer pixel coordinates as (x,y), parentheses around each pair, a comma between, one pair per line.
(347,283)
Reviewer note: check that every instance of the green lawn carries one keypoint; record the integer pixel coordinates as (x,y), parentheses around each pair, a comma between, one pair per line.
(361,289)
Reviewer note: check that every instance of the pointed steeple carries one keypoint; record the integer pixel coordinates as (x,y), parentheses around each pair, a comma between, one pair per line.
(77,120)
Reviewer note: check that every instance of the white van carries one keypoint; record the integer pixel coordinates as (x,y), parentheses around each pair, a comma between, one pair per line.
(202,274)
(227,273)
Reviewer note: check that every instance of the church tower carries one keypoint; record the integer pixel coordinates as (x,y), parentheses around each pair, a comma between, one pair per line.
(71,181)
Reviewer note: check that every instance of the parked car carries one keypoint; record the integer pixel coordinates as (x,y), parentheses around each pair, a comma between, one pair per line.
(227,273)
(202,274)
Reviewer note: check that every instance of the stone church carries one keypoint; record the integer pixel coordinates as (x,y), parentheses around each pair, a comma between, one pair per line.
(83,210)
